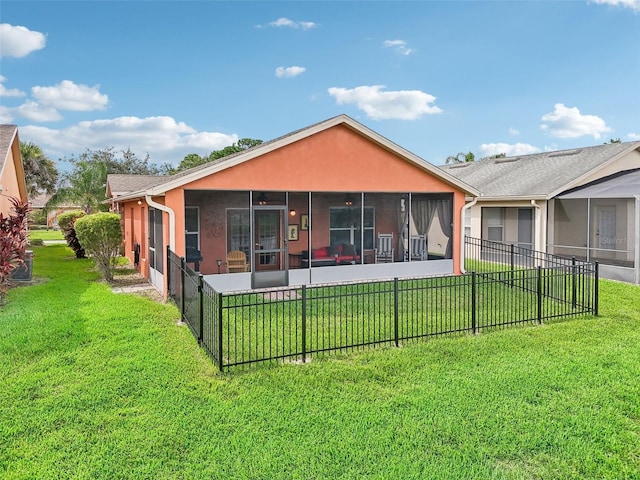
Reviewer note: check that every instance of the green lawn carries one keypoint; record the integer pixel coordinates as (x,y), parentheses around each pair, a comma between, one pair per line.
(102,386)
(46,235)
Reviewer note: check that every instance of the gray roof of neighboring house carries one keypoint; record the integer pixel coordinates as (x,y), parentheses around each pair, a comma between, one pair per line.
(121,184)
(536,175)
(7,134)
(624,184)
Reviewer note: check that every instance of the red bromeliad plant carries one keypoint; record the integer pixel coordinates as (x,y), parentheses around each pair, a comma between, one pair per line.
(13,242)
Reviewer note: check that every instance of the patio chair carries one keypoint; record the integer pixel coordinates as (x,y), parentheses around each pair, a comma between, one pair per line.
(237,262)
(418,247)
(384,250)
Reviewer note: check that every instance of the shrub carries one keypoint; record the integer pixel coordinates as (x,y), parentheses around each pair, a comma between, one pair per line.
(38,217)
(101,236)
(66,221)
(13,242)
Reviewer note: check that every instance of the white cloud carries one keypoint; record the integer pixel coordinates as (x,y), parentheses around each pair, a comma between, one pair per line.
(9,92)
(164,139)
(379,105)
(294,71)
(69,96)
(632,137)
(399,46)
(510,150)
(513,131)
(632,4)
(565,122)
(35,112)
(6,116)
(285,22)
(17,41)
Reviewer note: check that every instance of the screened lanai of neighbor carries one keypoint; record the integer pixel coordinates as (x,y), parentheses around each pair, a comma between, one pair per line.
(601,222)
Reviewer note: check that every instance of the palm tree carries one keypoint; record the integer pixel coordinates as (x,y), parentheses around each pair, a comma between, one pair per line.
(84,187)
(461,157)
(40,173)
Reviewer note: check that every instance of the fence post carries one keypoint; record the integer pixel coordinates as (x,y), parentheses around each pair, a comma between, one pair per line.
(182,282)
(596,293)
(473,303)
(512,264)
(304,324)
(539,295)
(574,300)
(220,353)
(200,310)
(395,311)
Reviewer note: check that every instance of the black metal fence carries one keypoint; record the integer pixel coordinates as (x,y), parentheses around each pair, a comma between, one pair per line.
(296,323)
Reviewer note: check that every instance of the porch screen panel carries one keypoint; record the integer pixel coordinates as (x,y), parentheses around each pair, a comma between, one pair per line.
(239,230)
(571,222)
(389,227)
(159,242)
(192,227)
(611,231)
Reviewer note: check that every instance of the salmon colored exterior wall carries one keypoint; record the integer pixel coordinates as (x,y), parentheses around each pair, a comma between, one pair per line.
(334,160)
(12,179)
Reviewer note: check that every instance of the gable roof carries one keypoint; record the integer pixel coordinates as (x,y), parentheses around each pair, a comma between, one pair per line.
(8,140)
(119,184)
(540,175)
(210,168)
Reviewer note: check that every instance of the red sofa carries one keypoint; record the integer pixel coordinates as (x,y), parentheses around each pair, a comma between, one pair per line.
(341,254)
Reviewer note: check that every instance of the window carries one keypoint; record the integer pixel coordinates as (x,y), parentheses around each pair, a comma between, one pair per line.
(494,218)
(344,226)
(192,227)
(467,223)
(238,230)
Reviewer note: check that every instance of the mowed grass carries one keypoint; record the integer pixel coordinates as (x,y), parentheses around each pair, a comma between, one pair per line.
(46,235)
(103,386)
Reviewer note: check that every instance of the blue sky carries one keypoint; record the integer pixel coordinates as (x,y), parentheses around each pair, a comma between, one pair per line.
(170,78)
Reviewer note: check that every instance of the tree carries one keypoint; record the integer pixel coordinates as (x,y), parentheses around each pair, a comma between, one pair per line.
(613,140)
(40,173)
(497,155)
(86,184)
(101,236)
(461,157)
(194,160)
(66,221)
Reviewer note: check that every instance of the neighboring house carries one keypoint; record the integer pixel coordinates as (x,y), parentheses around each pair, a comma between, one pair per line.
(40,203)
(581,202)
(331,202)
(12,183)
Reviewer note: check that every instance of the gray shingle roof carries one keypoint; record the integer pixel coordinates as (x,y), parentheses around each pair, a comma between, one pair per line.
(7,132)
(121,184)
(540,174)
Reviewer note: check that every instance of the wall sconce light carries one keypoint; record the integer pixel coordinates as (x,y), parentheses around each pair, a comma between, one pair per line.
(262,199)
(292,212)
(348,201)
(219,262)
(139,202)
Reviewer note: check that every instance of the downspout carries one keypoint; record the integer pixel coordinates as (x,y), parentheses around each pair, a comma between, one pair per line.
(537,228)
(172,220)
(463,214)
